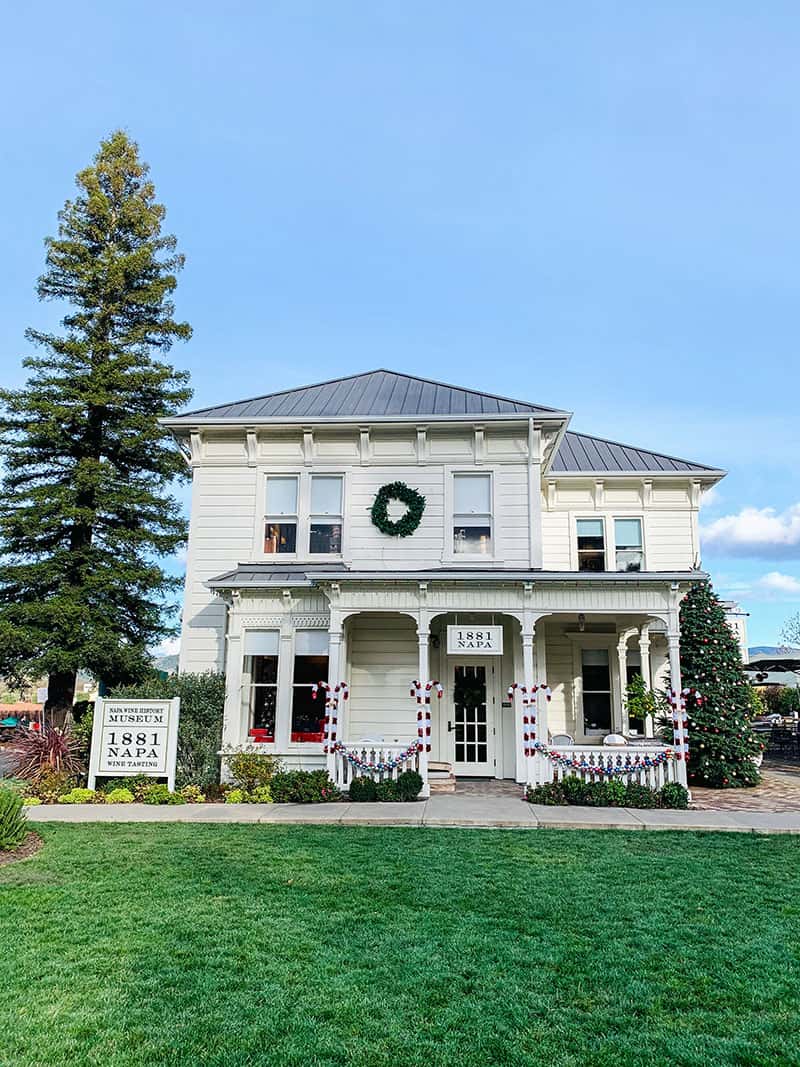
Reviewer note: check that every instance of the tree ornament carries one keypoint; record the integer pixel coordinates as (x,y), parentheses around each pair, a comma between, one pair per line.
(406,524)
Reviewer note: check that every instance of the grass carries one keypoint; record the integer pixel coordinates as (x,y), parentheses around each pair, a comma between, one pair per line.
(231,945)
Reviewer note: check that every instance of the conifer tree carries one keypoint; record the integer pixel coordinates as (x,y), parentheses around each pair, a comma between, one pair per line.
(85,510)
(722,746)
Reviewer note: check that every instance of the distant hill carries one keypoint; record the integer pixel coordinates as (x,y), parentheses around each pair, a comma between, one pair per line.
(166,663)
(772,650)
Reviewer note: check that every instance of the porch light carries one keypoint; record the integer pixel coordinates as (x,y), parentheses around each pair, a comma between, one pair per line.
(581,622)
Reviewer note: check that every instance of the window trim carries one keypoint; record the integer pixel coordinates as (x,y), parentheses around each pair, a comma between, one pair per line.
(467,559)
(269,517)
(302,555)
(586,517)
(608,518)
(639,517)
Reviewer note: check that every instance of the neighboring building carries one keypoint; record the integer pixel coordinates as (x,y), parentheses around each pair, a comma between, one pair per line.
(569,552)
(736,619)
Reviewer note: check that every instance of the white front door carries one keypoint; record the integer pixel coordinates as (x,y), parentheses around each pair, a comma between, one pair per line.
(470,722)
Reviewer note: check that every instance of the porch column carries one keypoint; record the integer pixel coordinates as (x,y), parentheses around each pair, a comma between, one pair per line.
(234,726)
(528,680)
(620,714)
(644,653)
(334,670)
(674,642)
(424,667)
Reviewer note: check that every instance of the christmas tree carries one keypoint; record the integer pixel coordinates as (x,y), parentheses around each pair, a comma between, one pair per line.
(722,746)
(85,508)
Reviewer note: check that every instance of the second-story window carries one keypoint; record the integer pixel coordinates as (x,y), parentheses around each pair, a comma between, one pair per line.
(280,533)
(472,514)
(628,539)
(591,545)
(326,514)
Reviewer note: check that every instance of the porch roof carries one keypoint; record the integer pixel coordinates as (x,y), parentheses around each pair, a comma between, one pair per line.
(270,575)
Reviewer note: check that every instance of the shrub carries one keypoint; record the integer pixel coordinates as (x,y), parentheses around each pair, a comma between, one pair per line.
(615,793)
(13,826)
(39,754)
(200,723)
(550,794)
(158,793)
(30,802)
(81,729)
(409,784)
(120,796)
(673,795)
(261,795)
(236,796)
(303,787)
(136,784)
(387,790)
(574,789)
(193,794)
(250,769)
(362,790)
(640,796)
(81,796)
(596,795)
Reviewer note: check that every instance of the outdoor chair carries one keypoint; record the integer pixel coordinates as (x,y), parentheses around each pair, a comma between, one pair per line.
(562,739)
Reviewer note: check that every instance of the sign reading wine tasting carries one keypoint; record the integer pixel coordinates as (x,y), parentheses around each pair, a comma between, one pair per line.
(131,737)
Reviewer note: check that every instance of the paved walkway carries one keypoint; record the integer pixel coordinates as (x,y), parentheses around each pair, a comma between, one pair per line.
(779,791)
(444,810)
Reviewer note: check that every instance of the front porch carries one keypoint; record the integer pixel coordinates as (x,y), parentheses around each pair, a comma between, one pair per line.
(584,644)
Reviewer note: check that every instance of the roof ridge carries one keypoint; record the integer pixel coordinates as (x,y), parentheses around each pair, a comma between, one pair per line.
(363,374)
(640,448)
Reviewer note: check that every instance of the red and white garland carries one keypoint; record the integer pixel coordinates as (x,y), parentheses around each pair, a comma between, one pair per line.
(529,717)
(334,692)
(680,719)
(422,691)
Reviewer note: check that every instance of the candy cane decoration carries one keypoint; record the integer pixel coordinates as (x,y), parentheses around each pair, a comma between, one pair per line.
(529,717)
(422,691)
(331,708)
(680,719)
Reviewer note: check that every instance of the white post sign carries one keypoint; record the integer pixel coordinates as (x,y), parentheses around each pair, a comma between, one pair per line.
(475,640)
(132,737)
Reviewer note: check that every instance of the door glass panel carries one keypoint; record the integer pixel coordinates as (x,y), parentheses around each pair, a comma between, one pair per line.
(596,690)
(469,699)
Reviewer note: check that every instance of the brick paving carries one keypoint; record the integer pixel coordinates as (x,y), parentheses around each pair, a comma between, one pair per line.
(778,791)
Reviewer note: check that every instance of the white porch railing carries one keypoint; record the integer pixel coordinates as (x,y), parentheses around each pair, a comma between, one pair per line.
(376,760)
(650,765)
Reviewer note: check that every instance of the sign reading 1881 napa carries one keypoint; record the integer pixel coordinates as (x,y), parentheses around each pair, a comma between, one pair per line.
(134,737)
(475,640)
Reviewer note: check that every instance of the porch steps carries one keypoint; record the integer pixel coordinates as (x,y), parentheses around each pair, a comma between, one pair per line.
(441,778)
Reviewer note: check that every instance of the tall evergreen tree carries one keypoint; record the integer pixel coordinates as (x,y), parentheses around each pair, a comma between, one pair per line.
(722,746)
(85,511)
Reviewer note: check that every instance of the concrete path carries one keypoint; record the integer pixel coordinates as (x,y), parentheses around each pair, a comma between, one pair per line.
(445,810)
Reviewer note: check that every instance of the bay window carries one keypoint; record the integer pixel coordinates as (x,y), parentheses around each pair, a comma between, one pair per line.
(325,535)
(591,545)
(310,667)
(280,534)
(260,677)
(472,514)
(628,541)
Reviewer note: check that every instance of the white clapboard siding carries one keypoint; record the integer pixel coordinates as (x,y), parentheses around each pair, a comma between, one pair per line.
(560,671)
(383,660)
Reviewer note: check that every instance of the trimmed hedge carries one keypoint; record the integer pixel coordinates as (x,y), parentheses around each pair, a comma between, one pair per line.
(608,794)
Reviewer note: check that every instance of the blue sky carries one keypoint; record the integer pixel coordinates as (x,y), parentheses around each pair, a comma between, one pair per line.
(589,205)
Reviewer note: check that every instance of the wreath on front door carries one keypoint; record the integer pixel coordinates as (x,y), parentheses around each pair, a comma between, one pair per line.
(406,524)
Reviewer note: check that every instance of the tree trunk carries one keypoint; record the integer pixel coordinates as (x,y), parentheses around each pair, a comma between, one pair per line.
(60,695)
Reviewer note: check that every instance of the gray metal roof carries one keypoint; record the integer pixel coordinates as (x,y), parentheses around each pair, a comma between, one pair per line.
(578,452)
(269,575)
(376,394)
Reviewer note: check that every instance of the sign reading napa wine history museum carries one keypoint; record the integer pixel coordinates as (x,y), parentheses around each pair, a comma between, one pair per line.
(475,640)
(134,737)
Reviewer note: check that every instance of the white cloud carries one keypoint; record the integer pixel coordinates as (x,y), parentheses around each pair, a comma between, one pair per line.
(711,497)
(170,647)
(782,585)
(761,532)
(771,586)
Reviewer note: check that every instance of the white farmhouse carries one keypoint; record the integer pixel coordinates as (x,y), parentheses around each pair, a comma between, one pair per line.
(541,558)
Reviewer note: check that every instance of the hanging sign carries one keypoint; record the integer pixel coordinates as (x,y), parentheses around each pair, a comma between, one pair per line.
(132,737)
(475,640)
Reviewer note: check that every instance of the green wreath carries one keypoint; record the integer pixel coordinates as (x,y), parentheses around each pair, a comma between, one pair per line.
(407,524)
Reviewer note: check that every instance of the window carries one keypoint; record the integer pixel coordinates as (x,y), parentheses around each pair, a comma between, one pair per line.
(472,514)
(591,545)
(326,514)
(280,534)
(596,673)
(261,681)
(628,538)
(310,666)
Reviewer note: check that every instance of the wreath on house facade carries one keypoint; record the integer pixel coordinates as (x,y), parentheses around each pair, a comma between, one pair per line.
(406,524)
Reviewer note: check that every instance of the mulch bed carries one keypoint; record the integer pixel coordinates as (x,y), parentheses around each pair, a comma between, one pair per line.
(29,847)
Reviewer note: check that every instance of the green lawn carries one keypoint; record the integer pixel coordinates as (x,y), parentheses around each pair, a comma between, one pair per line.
(234,945)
